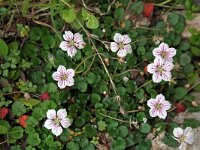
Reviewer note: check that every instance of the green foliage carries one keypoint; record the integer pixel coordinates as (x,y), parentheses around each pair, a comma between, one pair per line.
(3,48)
(4,126)
(18,108)
(103,106)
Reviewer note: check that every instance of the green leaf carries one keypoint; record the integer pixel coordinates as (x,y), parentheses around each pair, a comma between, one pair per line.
(4,126)
(119,13)
(185,59)
(91,20)
(145,128)
(15,133)
(170,141)
(179,93)
(18,108)
(91,78)
(82,86)
(137,7)
(195,51)
(72,146)
(193,123)
(30,102)
(123,131)
(95,98)
(102,125)
(69,15)
(140,116)
(3,48)
(33,139)
(119,144)
(173,18)
(90,131)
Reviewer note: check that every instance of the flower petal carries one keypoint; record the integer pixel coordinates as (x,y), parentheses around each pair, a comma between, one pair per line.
(121,53)
(70,73)
(189,134)
(65,122)
(61,69)
(114,46)
(118,38)
(151,68)
(69,81)
(178,132)
(62,84)
(151,103)
(153,112)
(157,52)
(166,76)
(156,78)
(162,114)
(57,130)
(49,124)
(182,146)
(64,45)
(128,48)
(68,36)
(163,46)
(62,113)
(158,61)
(171,52)
(51,114)
(168,66)
(56,76)
(71,51)
(126,39)
(78,39)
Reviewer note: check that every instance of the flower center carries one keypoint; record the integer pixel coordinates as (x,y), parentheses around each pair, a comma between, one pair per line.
(182,138)
(164,54)
(121,45)
(160,69)
(158,106)
(57,121)
(71,43)
(63,77)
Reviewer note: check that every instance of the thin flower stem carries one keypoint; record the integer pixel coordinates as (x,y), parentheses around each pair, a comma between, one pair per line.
(141,40)
(90,65)
(193,86)
(107,72)
(143,85)
(113,118)
(3,142)
(66,3)
(125,72)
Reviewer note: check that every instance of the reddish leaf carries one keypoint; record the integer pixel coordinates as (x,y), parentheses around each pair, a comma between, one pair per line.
(44,96)
(148,9)
(180,107)
(22,120)
(3,112)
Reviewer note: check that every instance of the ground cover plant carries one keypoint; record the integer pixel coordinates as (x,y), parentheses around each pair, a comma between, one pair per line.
(91,75)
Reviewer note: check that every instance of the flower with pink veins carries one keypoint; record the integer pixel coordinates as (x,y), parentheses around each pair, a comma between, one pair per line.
(160,70)
(184,137)
(64,77)
(158,106)
(121,44)
(164,52)
(72,42)
(56,121)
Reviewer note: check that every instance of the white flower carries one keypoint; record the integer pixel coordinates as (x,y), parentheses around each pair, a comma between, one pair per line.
(159,106)
(121,44)
(164,52)
(160,70)
(72,41)
(184,137)
(64,77)
(55,121)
